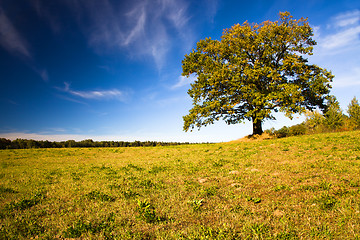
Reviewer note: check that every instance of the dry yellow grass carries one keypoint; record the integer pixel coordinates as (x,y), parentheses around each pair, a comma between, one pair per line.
(249,138)
(293,188)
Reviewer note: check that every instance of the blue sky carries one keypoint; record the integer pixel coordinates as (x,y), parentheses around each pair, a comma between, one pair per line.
(111,70)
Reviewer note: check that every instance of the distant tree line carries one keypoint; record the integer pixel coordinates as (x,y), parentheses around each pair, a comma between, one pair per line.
(332,119)
(29,143)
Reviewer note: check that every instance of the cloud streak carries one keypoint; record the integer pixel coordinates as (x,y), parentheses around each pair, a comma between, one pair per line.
(344,38)
(10,38)
(348,18)
(349,79)
(142,28)
(13,41)
(339,48)
(113,94)
(184,81)
(343,33)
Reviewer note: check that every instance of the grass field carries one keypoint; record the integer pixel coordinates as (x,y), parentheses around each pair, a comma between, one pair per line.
(294,188)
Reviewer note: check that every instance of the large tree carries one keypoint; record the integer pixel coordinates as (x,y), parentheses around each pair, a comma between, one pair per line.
(253,71)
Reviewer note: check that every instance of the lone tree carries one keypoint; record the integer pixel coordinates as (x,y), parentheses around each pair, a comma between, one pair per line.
(253,71)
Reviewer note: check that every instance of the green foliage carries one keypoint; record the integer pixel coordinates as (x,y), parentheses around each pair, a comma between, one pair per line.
(281,187)
(325,185)
(147,212)
(25,203)
(288,235)
(282,132)
(254,70)
(80,227)
(295,130)
(210,191)
(131,166)
(210,232)
(253,199)
(326,202)
(29,143)
(298,129)
(23,228)
(97,195)
(130,194)
(314,122)
(354,113)
(333,117)
(258,231)
(196,204)
(6,190)
(332,120)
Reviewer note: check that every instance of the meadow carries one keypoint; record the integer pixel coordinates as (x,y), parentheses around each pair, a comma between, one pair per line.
(303,187)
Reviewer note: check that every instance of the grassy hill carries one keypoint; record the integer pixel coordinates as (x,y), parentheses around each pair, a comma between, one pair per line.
(294,188)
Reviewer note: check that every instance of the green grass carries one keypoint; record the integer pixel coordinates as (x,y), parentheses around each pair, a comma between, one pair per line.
(304,187)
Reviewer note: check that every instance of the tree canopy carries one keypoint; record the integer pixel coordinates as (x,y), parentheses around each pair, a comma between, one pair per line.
(354,112)
(253,71)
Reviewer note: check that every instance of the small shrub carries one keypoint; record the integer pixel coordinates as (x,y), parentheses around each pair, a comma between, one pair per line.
(355,183)
(314,122)
(25,203)
(325,185)
(321,232)
(258,231)
(132,166)
(333,115)
(97,195)
(157,169)
(308,188)
(76,230)
(6,190)
(237,208)
(147,212)
(196,204)
(281,187)
(327,202)
(219,163)
(287,235)
(282,132)
(147,184)
(206,232)
(80,227)
(210,191)
(129,194)
(22,228)
(298,129)
(354,113)
(254,200)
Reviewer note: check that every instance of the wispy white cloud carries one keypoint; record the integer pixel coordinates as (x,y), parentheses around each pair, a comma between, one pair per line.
(42,73)
(338,48)
(139,15)
(51,18)
(184,81)
(15,43)
(348,79)
(97,94)
(10,38)
(108,94)
(344,38)
(342,34)
(143,28)
(176,12)
(348,18)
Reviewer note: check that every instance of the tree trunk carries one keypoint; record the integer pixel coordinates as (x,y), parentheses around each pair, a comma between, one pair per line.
(257,127)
